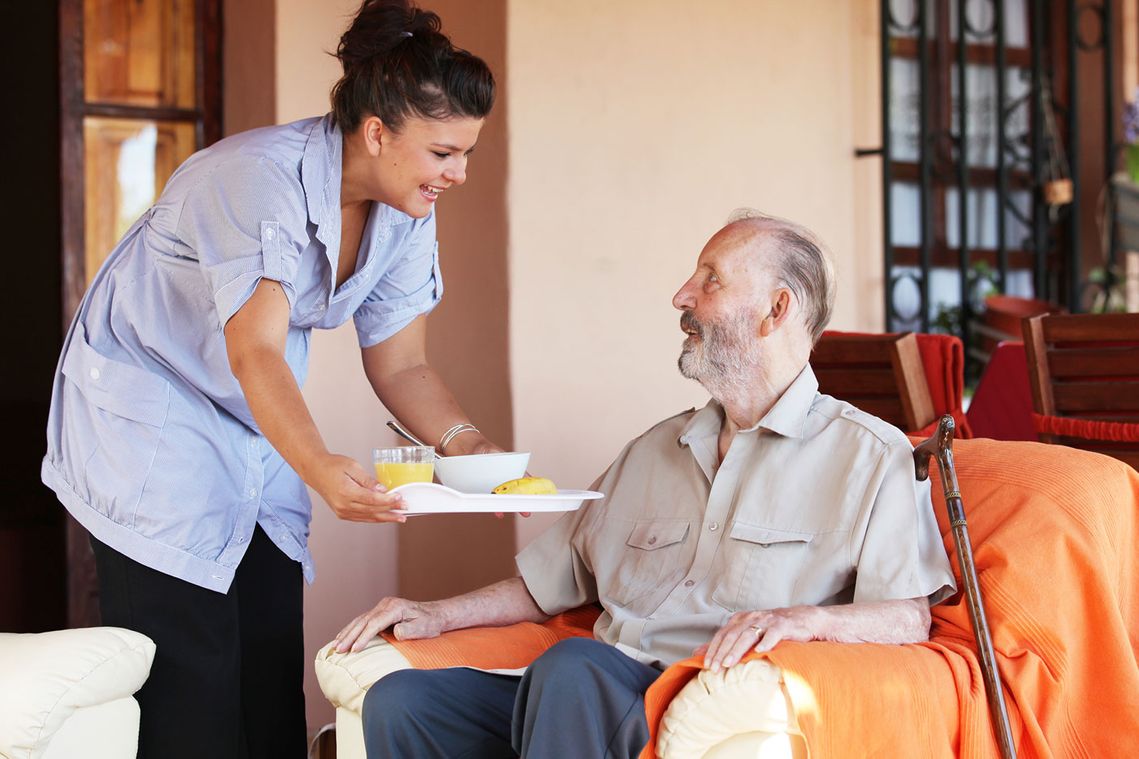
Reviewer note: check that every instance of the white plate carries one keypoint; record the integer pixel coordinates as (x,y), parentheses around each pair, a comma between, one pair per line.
(429,498)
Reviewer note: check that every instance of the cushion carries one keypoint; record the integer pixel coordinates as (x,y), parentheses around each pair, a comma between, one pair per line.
(47,677)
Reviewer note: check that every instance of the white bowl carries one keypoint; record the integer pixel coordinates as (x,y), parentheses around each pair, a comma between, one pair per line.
(480,472)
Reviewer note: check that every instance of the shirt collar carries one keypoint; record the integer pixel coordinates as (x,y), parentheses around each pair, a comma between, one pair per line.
(320,172)
(788,417)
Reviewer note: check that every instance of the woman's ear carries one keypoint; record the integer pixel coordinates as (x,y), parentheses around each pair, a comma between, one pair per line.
(373,131)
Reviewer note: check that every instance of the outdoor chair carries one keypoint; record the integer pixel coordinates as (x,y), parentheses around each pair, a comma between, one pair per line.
(881,374)
(1084,374)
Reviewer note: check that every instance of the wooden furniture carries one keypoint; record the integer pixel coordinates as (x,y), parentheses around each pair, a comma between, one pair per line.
(881,374)
(1084,374)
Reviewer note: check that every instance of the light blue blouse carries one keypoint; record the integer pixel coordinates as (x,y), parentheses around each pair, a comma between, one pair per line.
(151,444)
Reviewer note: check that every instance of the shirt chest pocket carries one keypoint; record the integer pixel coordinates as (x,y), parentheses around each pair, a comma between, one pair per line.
(761,566)
(653,551)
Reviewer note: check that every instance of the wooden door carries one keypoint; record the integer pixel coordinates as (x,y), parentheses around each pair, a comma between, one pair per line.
(140,91)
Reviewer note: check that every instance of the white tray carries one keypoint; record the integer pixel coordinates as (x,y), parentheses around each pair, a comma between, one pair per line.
(429,498)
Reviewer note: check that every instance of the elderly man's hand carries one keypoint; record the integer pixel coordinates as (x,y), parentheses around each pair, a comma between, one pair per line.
(758,630)
(408,620)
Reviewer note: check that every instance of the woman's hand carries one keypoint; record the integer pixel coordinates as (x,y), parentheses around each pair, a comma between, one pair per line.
(352,493)
(409,620)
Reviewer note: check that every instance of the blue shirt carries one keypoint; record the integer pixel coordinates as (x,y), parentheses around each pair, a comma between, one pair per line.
(151,444)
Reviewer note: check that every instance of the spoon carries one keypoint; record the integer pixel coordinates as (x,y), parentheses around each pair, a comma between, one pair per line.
(398,429)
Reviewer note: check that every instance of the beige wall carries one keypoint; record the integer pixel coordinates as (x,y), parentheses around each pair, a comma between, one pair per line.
(635,127)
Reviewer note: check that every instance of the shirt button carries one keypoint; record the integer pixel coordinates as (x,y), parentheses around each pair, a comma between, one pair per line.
(94,373)
(240,538)
(320,307)
(714,526)
(689,583)
(652,539)
(269,233)
(252,492)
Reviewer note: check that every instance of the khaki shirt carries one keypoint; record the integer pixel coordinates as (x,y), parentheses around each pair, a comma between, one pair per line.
(817,504)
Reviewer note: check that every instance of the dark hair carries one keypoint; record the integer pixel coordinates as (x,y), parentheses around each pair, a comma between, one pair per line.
(398,64)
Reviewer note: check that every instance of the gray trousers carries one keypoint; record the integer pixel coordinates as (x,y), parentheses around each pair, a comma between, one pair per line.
(580,699)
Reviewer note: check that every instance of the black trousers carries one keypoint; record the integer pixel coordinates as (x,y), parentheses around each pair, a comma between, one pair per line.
(228,673)
(582,699)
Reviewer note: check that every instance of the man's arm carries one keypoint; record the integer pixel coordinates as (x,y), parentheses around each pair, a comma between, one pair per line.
(498,605)
(905,621)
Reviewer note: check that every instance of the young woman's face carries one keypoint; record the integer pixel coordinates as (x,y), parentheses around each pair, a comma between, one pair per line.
(425,158)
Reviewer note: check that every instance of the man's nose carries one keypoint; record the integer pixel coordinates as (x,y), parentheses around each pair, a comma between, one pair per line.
(684,300)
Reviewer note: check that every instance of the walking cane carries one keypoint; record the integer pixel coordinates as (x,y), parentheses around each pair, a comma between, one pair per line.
(940,446)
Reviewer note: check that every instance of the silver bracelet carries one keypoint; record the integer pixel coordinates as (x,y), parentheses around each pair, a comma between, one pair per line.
(454,432)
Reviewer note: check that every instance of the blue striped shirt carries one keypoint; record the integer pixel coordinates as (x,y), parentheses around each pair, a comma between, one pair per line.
(151,444)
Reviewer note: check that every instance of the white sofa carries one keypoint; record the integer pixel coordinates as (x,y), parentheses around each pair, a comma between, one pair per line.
(738,713)
(68,694)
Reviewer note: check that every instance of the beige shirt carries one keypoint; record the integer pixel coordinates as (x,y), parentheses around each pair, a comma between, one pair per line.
(817,504)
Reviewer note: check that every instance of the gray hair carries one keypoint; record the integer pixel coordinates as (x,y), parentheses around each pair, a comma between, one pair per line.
(805,265)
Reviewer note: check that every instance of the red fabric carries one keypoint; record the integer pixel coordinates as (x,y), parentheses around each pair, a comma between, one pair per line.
(1087,429)
(943,357)
(1001,408)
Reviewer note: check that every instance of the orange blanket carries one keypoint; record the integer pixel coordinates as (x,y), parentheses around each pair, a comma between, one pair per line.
(1056,543)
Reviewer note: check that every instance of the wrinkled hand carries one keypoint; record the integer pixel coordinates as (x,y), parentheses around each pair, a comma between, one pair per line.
(409,620)
(759,631)
(351,492)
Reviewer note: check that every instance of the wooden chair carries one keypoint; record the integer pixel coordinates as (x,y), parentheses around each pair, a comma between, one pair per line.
(1084,374)
(881,374)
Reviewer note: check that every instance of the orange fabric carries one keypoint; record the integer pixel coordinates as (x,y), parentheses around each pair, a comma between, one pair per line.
(1087,429)
(496,647)
(1056,544)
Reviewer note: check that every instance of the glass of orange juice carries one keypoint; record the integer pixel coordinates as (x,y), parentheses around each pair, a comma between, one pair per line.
(399,466)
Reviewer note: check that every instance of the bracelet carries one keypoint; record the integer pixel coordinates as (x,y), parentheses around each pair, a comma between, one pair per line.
(454,432)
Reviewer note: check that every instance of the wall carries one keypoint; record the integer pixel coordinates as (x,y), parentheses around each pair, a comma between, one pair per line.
(635,128)
(359,564)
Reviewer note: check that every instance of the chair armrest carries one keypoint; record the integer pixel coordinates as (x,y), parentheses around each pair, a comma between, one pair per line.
(714,708)
(345,678)
(46,677)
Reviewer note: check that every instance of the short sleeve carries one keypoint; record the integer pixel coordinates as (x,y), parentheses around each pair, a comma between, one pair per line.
(554,571)
(412,286)
(902,554)
(245,221)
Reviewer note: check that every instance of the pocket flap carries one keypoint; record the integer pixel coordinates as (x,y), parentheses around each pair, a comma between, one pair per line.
(656,534)
(114,386)
(767,535)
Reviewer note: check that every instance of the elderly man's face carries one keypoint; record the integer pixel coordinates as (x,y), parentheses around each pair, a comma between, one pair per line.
(722,305)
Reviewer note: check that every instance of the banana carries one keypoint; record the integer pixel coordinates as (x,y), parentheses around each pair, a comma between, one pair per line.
(527,486)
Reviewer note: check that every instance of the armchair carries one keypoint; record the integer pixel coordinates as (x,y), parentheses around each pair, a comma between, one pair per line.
(1055,533)
(69,693)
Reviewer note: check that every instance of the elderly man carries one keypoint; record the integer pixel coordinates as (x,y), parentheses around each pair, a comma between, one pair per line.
(773,513)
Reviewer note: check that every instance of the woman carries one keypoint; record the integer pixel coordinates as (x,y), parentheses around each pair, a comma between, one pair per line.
(178,435)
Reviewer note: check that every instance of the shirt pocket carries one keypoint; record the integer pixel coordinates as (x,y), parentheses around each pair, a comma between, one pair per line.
(652,551)
(762,565)
(115,416)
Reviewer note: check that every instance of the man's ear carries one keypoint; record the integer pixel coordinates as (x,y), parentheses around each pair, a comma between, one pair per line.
(780,310)
(373,131)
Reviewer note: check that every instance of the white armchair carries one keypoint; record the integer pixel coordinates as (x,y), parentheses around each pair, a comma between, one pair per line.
(69,693)
(738,713)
